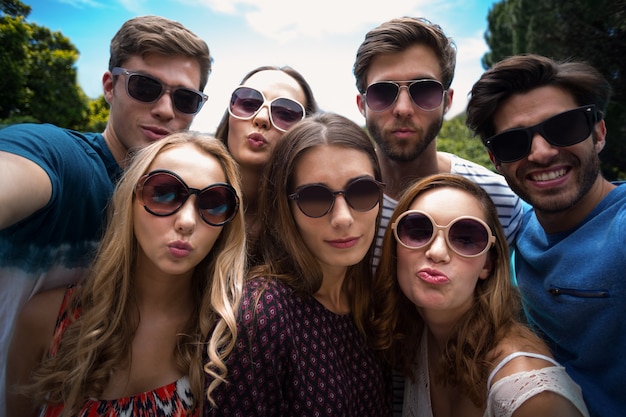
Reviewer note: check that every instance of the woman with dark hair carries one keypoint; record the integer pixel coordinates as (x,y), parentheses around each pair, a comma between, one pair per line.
(303,327)
(447,313)
(268,101)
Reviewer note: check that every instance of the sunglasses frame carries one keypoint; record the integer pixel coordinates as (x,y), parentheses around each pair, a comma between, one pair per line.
(127,74)
(265,103)
(446,232)
(295,196)
(591,117)
(405,84)
(139,187)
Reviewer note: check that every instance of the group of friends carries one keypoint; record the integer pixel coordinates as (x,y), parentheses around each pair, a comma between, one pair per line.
(293,263)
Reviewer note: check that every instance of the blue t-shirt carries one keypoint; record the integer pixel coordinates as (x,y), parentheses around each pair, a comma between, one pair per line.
(574,293)
(52,247)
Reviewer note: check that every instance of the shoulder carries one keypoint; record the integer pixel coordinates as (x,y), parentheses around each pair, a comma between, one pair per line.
(266,298)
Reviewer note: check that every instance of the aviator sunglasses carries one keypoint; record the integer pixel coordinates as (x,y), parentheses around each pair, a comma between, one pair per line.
(316,200)
(426,94)
(148,89)
(163,193)
(246,102)
(564,129)
(467,236)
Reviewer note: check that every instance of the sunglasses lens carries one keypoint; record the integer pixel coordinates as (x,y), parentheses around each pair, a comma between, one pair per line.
(380,96)
(144,88)
(245,102)
(363,194)
(218,204)
(568,128)
(415,230)
(187,101)
(511,145)
(162,194)
(468,237)
(286,112)
(314,200)
(426,94)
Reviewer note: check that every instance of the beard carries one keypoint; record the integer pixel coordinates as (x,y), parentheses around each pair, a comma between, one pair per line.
(398,153)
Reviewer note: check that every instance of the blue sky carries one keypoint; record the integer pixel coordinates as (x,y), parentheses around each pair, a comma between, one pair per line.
(319,38)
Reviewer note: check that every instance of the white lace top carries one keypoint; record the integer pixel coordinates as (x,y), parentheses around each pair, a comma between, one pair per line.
(506,394)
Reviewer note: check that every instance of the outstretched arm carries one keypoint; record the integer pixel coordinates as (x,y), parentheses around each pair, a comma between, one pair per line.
(25,187)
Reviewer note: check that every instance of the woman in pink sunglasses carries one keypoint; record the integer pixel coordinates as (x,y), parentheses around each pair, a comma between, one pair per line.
(268,101)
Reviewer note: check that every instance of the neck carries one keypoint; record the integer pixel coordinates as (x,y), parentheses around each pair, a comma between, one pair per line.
(332,293)
(399,175)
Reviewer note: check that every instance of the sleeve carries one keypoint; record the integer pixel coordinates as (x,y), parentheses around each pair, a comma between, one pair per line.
(257,364)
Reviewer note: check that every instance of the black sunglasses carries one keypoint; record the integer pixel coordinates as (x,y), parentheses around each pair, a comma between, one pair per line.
(246,102)
(316,200)
(467,236)
(564,129)
(148,89)
(163,193)
(426,94)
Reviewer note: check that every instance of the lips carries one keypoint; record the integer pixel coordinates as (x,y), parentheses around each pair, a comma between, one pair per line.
(179,249)
(548,175)
(256,140)
(432,276)
(155,132)
(343,243)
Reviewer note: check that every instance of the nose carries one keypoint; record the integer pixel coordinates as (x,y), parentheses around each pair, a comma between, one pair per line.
(341,213)
(438,249)
(187,216)
(541,151)
(163,108)
(262,117)
(403,105)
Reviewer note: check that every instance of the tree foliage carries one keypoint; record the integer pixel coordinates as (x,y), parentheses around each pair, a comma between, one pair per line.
(590,30)
(454,137)
(39,80)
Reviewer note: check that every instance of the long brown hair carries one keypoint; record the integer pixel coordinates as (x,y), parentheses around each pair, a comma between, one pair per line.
(495,314)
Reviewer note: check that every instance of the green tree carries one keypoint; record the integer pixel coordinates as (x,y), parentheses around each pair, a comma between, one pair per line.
(589,30)
(98,115)
(38,80)
(454,137)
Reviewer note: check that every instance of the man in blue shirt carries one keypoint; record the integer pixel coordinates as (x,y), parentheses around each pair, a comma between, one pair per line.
(56,183)
(543,124)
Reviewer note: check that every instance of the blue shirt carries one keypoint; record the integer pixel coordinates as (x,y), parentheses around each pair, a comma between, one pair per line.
(573,287)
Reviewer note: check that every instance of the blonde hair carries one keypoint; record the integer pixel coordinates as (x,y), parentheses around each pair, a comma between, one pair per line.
(100,339)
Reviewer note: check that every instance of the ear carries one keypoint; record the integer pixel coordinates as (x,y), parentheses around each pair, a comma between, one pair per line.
(108,86)
(360,103)
(448,100)
(487,268)
(600,132)
(496,164)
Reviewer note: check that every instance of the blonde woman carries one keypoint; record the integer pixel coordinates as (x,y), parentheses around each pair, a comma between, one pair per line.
(167,276)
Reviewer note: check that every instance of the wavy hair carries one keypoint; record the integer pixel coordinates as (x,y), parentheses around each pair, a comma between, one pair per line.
(310,106)
(100,339)
(280,243)
(495,314)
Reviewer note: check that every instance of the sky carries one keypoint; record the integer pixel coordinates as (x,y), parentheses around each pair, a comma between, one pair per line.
(319,38)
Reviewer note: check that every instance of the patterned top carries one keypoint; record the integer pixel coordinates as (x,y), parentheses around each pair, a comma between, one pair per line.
(173,400)
(293,357)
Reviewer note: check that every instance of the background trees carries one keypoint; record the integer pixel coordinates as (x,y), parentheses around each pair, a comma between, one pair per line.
(589,30)
(38,81)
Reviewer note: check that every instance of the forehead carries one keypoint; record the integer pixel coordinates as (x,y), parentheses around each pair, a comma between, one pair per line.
(196,167)
(331,165)
(275,83)
(415,62)
(447,203)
